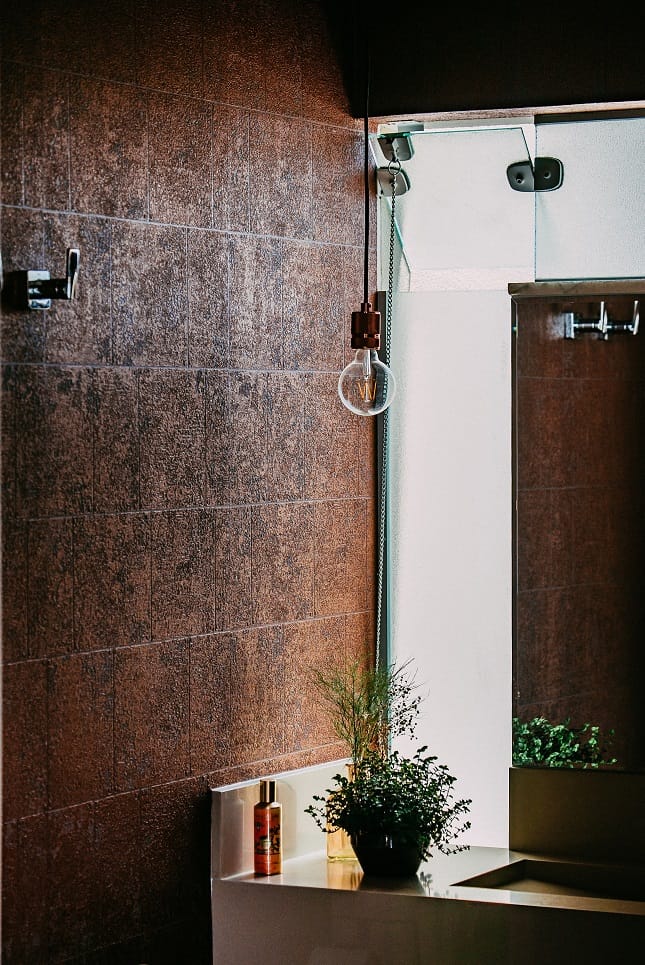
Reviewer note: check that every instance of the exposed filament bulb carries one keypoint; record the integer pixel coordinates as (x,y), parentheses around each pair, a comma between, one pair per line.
(366,386)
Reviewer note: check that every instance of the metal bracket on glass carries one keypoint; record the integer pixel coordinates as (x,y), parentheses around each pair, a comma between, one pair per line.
(396,147)
(546,174)
(384,177)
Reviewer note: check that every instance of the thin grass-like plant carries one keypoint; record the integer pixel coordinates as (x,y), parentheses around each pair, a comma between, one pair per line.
(369,707)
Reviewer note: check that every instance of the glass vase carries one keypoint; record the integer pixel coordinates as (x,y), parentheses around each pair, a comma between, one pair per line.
(339,845)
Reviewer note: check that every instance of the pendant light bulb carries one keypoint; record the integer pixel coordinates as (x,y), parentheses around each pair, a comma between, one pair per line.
(366,386)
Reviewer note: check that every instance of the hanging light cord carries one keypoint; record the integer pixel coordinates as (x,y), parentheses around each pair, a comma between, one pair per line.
(366,185)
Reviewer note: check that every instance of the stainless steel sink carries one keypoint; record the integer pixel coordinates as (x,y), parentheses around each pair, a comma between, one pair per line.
(535,875)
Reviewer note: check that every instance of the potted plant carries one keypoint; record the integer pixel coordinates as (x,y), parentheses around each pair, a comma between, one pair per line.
(395,809)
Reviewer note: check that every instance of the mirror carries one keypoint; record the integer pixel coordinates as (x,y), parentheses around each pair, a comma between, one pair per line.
(579,539)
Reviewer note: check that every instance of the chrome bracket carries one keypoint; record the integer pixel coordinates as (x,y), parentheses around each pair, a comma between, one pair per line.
(41,288)
(35,296)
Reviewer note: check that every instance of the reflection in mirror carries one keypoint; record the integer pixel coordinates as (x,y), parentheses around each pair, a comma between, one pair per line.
(579,540)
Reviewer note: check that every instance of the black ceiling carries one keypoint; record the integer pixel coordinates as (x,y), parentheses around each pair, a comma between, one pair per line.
(427,59)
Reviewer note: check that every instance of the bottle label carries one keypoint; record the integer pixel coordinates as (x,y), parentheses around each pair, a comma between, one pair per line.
(267,841)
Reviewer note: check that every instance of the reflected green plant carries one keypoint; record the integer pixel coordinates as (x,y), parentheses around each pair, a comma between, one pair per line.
(541,743)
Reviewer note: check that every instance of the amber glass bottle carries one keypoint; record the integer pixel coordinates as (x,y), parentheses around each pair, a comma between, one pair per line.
(267,831)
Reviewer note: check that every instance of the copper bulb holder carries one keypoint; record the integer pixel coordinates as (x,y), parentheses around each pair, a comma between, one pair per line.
(366,327)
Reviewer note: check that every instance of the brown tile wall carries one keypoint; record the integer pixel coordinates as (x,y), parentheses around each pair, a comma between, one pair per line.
(188,511)
(580,411)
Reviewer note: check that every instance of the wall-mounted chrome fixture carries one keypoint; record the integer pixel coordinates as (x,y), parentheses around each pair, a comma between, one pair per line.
(545,174)
(604,327)
(41,288)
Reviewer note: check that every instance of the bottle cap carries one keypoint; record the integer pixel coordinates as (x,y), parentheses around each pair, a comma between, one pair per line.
(267,791)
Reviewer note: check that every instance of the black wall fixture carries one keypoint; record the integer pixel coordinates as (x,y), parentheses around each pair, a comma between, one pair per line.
(432,58)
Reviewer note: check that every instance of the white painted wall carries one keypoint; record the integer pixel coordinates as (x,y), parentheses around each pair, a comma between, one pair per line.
(450,482)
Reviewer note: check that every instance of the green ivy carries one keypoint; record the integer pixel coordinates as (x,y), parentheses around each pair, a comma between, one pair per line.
(541,743)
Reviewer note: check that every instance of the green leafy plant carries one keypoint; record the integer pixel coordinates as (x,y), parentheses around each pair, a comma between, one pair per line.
(541,743)
(411,799)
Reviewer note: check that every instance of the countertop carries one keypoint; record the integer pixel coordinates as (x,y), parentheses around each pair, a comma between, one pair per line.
(440,877)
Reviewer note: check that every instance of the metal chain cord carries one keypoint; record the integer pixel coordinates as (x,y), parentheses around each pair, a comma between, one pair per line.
(394,167)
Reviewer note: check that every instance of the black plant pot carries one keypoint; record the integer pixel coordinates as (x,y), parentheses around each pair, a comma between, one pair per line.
(383,855)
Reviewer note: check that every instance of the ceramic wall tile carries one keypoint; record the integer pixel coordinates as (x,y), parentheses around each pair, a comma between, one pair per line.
(340,556)
(255,305)
(80,710)
(169,46)
(257,695)
(35,157)
(175,825)
(53,441)
(183,572)
(108,129)
(231,182)
(151,707)
(171,438)
(24,701)
(280,172)
(310,646)
(50,587)
(25,899)
(282,574)
(111,581)
(208,299)
(80,330)
(167,439)
(211,666)
(23,242)
(332,444)
(180,152)
(149,298)
(115,440)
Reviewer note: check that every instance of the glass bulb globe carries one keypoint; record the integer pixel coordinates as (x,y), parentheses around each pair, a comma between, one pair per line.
(366,386)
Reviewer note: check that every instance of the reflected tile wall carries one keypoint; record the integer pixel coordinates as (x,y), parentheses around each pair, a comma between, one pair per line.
(188,512)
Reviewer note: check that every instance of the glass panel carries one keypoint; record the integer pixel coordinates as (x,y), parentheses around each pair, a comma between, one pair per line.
(464,235)
(461,225)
